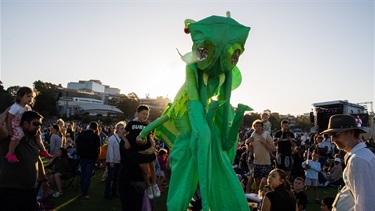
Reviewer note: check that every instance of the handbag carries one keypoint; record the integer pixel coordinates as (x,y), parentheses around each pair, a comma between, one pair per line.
(146,204)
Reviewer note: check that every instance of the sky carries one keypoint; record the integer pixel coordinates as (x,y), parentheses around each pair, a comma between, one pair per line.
(297,52)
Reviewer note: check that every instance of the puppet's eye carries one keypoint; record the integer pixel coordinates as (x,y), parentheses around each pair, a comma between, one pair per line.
(236,54)
(202,53)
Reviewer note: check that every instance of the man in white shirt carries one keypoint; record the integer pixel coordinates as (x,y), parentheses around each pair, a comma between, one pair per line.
(359,174)
(114,161)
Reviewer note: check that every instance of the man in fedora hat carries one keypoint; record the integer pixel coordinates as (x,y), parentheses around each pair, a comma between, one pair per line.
(359,174)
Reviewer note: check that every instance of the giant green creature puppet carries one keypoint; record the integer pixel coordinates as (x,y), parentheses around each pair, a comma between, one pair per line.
(200,126)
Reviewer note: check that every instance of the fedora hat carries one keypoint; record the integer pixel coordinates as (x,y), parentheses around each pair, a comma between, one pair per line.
(342,122)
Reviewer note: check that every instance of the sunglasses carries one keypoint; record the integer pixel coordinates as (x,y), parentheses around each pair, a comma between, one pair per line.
(36,124)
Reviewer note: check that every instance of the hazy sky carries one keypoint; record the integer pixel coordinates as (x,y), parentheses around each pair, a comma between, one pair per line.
(297,53)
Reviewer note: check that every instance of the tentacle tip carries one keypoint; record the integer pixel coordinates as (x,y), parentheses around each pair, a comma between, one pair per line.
(228,14)
(186,30)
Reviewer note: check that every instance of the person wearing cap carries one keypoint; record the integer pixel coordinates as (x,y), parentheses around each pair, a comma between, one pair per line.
(335,173)
(359,173)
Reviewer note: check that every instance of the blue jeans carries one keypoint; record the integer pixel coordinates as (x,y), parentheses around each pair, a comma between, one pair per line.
(111,185)
(87,167)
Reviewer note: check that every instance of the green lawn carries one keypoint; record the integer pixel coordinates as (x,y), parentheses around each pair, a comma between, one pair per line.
(70,200)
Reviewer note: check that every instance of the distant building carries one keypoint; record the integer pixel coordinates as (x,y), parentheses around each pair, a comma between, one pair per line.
(91,85)
(89,97)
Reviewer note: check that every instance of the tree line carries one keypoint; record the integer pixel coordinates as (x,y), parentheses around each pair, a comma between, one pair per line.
(48,94)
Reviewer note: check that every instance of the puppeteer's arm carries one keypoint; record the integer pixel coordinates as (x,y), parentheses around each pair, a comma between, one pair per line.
(191,83)
(227,94)
(159,121)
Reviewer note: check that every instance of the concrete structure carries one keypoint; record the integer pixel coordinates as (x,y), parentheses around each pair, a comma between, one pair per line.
(88,92)
(97,109)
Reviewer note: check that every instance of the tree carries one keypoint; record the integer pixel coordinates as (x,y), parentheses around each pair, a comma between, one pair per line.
(303,122)
(6,99)
(128,104)
(46,99)
(249,118)
(155,113)
(12,90)
(1,87)
(275,121)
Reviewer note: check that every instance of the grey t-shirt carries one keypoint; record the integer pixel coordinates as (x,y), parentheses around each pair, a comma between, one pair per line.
(24,174)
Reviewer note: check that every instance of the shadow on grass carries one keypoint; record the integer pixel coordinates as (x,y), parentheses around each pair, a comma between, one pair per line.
(70,200)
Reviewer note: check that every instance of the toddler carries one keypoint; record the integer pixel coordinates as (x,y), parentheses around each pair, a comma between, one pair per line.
(266,123)
(24,98)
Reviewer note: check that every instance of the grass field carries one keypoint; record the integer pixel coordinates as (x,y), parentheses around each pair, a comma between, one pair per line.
(70,200)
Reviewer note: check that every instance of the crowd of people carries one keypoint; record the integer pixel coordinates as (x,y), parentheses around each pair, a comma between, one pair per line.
(282,166)
(307,161)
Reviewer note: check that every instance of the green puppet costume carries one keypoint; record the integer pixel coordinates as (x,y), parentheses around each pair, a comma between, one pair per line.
(201,131)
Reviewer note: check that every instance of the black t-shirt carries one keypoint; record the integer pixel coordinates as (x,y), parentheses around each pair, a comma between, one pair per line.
(22,175)
(281,200)
(301,198)
(284,146)
(134,128)
(88,145)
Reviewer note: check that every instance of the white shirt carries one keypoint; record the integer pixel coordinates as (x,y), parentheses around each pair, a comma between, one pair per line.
(313,172)
(325,143)
(359,178)
(113,151)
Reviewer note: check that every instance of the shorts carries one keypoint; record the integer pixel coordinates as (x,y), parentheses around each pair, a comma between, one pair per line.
(284,162)
(311,182)
(261,171)
(251,169)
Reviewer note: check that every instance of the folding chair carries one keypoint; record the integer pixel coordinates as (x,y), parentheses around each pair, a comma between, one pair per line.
(74,179)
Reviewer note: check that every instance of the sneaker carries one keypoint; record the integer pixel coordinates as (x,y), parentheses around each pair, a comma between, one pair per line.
(326,183)
(11,158)
(45,154)
(57,194)
(156,190)
(85,198)
(51,192)
(150,193)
